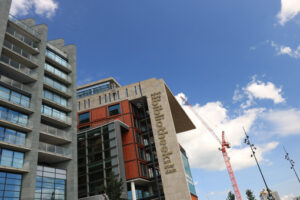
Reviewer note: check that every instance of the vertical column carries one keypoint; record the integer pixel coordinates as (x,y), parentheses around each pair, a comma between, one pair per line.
(4,10)
(133,190)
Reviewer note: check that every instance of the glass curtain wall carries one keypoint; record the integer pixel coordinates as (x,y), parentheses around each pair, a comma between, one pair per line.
(50,183)
(12,136)
(13,116)
(10,186)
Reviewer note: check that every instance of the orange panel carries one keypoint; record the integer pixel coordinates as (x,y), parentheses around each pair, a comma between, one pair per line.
(127,119)
(127,138)
(131,170)
(194,197)
(125,107)
(98,113)
(129,152)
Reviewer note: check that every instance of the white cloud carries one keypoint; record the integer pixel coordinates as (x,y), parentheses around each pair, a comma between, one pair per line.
(257,89)
(289,10)
(41,7)
(288,197)
(268,90)
(286,50)
(287,125)
(202,147)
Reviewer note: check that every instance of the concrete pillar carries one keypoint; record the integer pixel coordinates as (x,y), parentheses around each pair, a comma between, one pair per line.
(133,191)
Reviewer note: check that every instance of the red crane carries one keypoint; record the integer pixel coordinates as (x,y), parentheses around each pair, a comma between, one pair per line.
(224,145)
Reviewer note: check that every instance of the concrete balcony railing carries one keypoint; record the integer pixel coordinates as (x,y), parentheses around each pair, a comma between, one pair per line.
(50,148)
(55,131)
(24,26)
(20,51)
(18,66)
(15,84)
(20,37)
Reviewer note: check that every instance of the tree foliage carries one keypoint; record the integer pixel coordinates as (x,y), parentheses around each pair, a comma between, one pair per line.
(114,187)
(250,195)
(230,196)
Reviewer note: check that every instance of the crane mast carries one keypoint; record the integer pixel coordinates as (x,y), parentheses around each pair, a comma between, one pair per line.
(224,145)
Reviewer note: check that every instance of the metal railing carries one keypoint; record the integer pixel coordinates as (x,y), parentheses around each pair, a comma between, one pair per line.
(15,119)
(22,38)
(15,84)
(24,26)
(50,148)
(20,51)
(54,131)
(19,66)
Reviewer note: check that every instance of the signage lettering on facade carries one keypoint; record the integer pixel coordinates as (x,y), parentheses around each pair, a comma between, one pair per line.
(161,132)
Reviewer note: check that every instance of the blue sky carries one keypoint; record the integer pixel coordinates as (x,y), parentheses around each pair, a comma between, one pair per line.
(237,62)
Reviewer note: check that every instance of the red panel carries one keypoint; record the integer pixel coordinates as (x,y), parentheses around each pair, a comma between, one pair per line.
(98,113)
(127,138)
(125,107)
(194,197)
(129,152)
(127,119)
(131,170)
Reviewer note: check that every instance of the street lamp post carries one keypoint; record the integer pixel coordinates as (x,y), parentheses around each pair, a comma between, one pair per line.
(253,148)
(287,157)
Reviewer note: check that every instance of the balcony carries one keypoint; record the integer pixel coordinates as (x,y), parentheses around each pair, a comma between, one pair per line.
(64,79)
(15,84)
(50,153)
(12,68)
(65,108)
(65,66)
(60,121)
(23,170)
(19,54)
(54,135)
(25,27)
(65,92)
(23,106)
(10,121)
(22,41)
(15,143)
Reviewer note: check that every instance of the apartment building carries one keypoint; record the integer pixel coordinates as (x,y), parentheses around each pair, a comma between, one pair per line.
(131,131)
(38,141)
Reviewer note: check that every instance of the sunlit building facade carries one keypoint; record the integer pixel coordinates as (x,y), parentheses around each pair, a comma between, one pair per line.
(131,131)
(38,141)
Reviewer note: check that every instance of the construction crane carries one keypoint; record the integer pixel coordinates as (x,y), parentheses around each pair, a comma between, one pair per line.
(224,144)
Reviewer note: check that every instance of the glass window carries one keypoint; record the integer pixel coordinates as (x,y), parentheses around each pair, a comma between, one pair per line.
(56,57)
(114,110)
(4,93)
(11,186)
(126,92)
(99,99)
(84,118)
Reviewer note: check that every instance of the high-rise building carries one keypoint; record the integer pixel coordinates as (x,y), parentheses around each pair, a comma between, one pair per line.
(131,131)
(264,195)
(38,141)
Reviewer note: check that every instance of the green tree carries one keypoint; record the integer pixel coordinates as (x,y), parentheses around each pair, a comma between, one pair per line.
(230,196)
(114,187)
(250,195)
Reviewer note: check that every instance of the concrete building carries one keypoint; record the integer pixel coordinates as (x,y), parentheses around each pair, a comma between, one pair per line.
(264,195)
(131,130)
(38,141)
